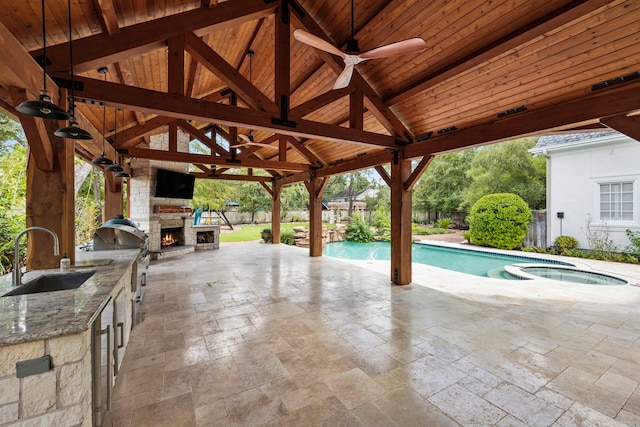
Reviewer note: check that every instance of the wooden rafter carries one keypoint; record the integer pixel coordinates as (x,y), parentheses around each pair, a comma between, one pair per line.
(629,125)
(553,20)
(92,52)
(180,157)
(107,15)
(236,81)
(587,109)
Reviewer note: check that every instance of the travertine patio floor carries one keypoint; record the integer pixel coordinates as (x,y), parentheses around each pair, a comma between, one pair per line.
(265,335)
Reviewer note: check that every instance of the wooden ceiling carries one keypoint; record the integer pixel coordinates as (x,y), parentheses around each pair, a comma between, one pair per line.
(492,71)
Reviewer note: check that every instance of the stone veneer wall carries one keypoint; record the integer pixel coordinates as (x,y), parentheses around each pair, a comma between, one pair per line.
(142,187)
(61,396)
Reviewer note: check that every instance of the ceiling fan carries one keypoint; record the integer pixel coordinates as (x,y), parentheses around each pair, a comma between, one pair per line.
(248,139)
(353,56)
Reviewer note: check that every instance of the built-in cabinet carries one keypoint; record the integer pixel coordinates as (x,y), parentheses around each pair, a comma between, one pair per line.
(110,337)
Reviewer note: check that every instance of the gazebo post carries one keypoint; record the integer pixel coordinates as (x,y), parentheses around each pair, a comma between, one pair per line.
(275,212)
(315,186)
(50,202)
(400,222)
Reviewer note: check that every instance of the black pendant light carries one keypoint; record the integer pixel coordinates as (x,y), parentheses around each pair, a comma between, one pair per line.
(115,167)
(122,173)
(43,107)
(103,160)
(73,131)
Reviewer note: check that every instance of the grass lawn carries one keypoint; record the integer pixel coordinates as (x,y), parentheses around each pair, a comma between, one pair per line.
(247,233)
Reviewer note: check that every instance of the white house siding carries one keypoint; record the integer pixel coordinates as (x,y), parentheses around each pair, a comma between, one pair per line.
(574,172)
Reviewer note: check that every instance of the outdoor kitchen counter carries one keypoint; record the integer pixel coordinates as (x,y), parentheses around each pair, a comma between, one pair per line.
(39,316)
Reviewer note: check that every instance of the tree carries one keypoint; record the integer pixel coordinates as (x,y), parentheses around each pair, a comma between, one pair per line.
(441,187)
(13,155)
(508,168)
(209,194)
(252,198)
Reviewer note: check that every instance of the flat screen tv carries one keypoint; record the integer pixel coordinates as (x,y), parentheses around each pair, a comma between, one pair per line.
(174,185)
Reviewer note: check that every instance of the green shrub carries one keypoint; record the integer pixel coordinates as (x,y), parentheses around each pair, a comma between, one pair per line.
(288,238)
(443,223)
(565,243)
(634,247)
(499,220)
(358,231)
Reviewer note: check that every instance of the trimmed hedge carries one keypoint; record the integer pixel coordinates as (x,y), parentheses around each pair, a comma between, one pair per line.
(499,220)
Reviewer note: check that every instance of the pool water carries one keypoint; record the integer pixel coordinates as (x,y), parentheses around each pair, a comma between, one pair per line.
(575,276)
(469,261)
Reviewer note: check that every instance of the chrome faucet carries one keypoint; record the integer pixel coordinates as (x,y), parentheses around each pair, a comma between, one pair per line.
(17,274)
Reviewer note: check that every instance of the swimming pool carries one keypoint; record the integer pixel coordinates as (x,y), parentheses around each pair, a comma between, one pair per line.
(469,261)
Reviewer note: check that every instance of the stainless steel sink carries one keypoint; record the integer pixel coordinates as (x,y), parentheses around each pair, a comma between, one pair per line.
(53,282)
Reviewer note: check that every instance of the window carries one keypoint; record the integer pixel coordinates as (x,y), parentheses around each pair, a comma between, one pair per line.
(616,201)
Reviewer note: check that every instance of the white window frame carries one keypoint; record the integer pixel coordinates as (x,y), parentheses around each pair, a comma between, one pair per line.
(634,211)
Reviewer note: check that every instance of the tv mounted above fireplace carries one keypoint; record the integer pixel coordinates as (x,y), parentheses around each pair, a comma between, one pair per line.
(174,185)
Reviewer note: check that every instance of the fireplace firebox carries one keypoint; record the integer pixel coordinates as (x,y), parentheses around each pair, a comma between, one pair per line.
(171,237)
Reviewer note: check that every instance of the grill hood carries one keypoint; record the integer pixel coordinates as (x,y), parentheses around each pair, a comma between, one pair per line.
(119,234)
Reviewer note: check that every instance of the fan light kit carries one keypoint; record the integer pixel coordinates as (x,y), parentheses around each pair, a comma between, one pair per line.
(43,107)
(353,56)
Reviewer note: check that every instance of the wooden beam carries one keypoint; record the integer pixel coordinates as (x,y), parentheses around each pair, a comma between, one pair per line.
(180,157)
(36,133)
(107,15)
(90,53)
(236,81)
(202,137)
(589,108)
(232,177)
(417,172)
(18,69)
(173,136)
(356,110)
(356,164)
(320,101)
(554,20)
(154,102)
(282,59)
(266,187)
(384,175)
(175,65)
(123,70)
(304,151)
(132,135)
(275,212)
(292,179)
(629,125)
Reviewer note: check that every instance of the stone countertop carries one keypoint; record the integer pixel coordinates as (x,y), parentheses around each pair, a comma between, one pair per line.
(39,316)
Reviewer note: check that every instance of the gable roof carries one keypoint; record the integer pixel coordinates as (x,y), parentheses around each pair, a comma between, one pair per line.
(492,71)
(547,141)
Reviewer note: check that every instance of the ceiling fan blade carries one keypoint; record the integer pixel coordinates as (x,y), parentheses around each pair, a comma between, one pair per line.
(317,42)
(394,49)
(245,138)
(344,78)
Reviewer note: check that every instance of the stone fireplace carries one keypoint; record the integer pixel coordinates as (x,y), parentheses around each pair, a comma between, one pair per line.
(167,221)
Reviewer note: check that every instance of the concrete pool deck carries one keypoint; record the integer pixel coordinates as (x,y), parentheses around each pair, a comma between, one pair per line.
(265,335)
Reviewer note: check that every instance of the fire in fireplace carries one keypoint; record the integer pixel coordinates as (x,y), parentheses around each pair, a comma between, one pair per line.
(170,237)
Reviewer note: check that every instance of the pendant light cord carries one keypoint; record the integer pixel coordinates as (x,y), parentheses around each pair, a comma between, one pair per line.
(104,116)
(44,51)
(72,101)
